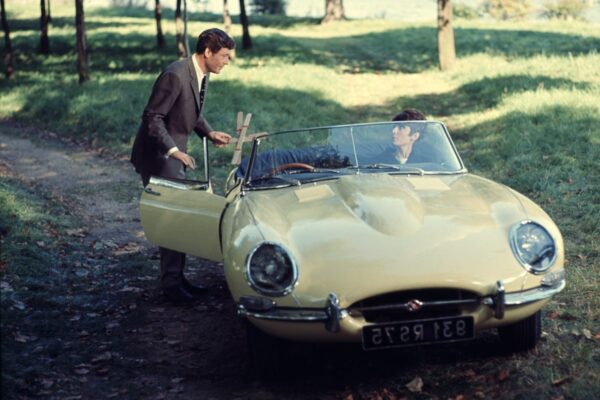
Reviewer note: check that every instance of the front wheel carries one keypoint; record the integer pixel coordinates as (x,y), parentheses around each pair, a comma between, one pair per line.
(522,335)
(266,354)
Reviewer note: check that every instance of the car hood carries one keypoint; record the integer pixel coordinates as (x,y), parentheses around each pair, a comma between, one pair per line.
(363,235)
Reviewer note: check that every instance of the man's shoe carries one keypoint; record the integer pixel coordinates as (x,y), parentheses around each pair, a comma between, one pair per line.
(178,295)
(193,289)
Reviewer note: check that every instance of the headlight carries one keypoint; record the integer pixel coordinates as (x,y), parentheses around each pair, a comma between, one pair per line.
(271,270)
(533,246)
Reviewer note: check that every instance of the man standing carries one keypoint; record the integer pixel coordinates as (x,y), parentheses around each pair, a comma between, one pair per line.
(174,109)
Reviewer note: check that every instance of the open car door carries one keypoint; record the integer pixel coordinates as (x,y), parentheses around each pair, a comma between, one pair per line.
(183,215)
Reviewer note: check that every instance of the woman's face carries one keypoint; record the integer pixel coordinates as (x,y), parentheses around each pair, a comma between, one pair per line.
(401,136)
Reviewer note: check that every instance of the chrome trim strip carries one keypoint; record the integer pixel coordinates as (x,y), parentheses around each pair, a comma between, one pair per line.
(424,304)
(533,295)
(300,315)
(178,185)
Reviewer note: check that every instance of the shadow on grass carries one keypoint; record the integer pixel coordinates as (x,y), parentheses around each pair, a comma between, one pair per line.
(485,93)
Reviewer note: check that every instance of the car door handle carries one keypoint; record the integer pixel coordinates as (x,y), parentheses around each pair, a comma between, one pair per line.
(152,192)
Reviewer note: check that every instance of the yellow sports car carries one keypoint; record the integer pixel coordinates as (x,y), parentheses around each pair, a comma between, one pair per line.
(368,233)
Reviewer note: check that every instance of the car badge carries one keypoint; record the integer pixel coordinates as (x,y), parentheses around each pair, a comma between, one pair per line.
(414,305)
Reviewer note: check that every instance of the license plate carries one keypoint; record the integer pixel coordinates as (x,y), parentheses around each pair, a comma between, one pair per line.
(413,333)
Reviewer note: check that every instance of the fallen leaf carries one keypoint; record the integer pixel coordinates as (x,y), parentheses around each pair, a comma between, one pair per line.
(19,305)
(47,383)
(587,333)
(131,289)
(575,332)
(597,336)
(76,232)
(552,315)
(177,380)
(560,381)
(416,385)
(102,357)
(503,375)
(40,243)
(24,338)
(82,371)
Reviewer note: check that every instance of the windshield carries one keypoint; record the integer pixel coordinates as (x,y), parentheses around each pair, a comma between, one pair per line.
(299,156)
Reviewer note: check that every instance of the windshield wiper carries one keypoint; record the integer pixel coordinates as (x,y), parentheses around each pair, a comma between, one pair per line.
(409,170)
(398,169)
(290,181)
(314,171)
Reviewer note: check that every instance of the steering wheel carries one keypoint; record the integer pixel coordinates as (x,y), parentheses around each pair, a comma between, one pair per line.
(285,167)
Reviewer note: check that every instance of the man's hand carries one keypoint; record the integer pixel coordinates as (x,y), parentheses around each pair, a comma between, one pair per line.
(186,159)
(219,139)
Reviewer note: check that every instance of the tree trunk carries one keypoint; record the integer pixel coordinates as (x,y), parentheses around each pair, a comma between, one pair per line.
(226,18)
(160,38)
(246,40)
(44,41)
(49,14)
(179,31)
(227,25)
(446,48)
(8,51)
(186,39)
(334,11)
(82,62)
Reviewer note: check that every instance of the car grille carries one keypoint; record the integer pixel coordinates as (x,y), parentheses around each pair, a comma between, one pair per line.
(415,304)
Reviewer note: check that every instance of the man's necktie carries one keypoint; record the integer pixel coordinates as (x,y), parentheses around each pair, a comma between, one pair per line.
(202,91)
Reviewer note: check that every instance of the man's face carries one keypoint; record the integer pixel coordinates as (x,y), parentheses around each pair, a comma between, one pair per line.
(401,135)
(216,61)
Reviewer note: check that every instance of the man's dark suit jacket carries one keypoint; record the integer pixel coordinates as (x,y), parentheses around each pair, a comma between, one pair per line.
(172,112)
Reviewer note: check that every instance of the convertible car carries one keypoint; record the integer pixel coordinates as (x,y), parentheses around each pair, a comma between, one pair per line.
(345,234)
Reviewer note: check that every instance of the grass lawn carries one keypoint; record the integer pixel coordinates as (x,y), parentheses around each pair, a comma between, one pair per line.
(522,103)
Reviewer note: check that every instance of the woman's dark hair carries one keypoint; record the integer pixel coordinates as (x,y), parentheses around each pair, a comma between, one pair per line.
(214,39)
(410,114)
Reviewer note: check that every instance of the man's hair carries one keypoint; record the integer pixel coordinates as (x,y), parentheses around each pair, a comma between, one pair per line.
(214,39)
(410,114)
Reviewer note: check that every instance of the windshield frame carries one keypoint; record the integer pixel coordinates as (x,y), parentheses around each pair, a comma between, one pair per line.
(409,171)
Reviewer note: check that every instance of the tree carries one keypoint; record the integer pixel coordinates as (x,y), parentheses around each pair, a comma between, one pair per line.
(82,62)
(446,48)
(334,11)
(8,56)
(183,44)
(227,24)
(44,41)
(271,7)
(160,38)
(246,40)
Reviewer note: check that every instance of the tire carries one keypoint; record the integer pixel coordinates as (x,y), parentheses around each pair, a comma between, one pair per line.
(266,354)
(523,335)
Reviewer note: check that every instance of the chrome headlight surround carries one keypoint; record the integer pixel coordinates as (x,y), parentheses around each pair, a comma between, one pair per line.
(533,246)
(271,270)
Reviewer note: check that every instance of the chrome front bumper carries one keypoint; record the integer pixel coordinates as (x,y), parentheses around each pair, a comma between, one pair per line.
(332,314)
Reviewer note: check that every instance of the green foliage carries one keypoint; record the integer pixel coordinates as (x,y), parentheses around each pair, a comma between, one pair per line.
(507,9)
(565,9)
(464,11)
(271,7)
